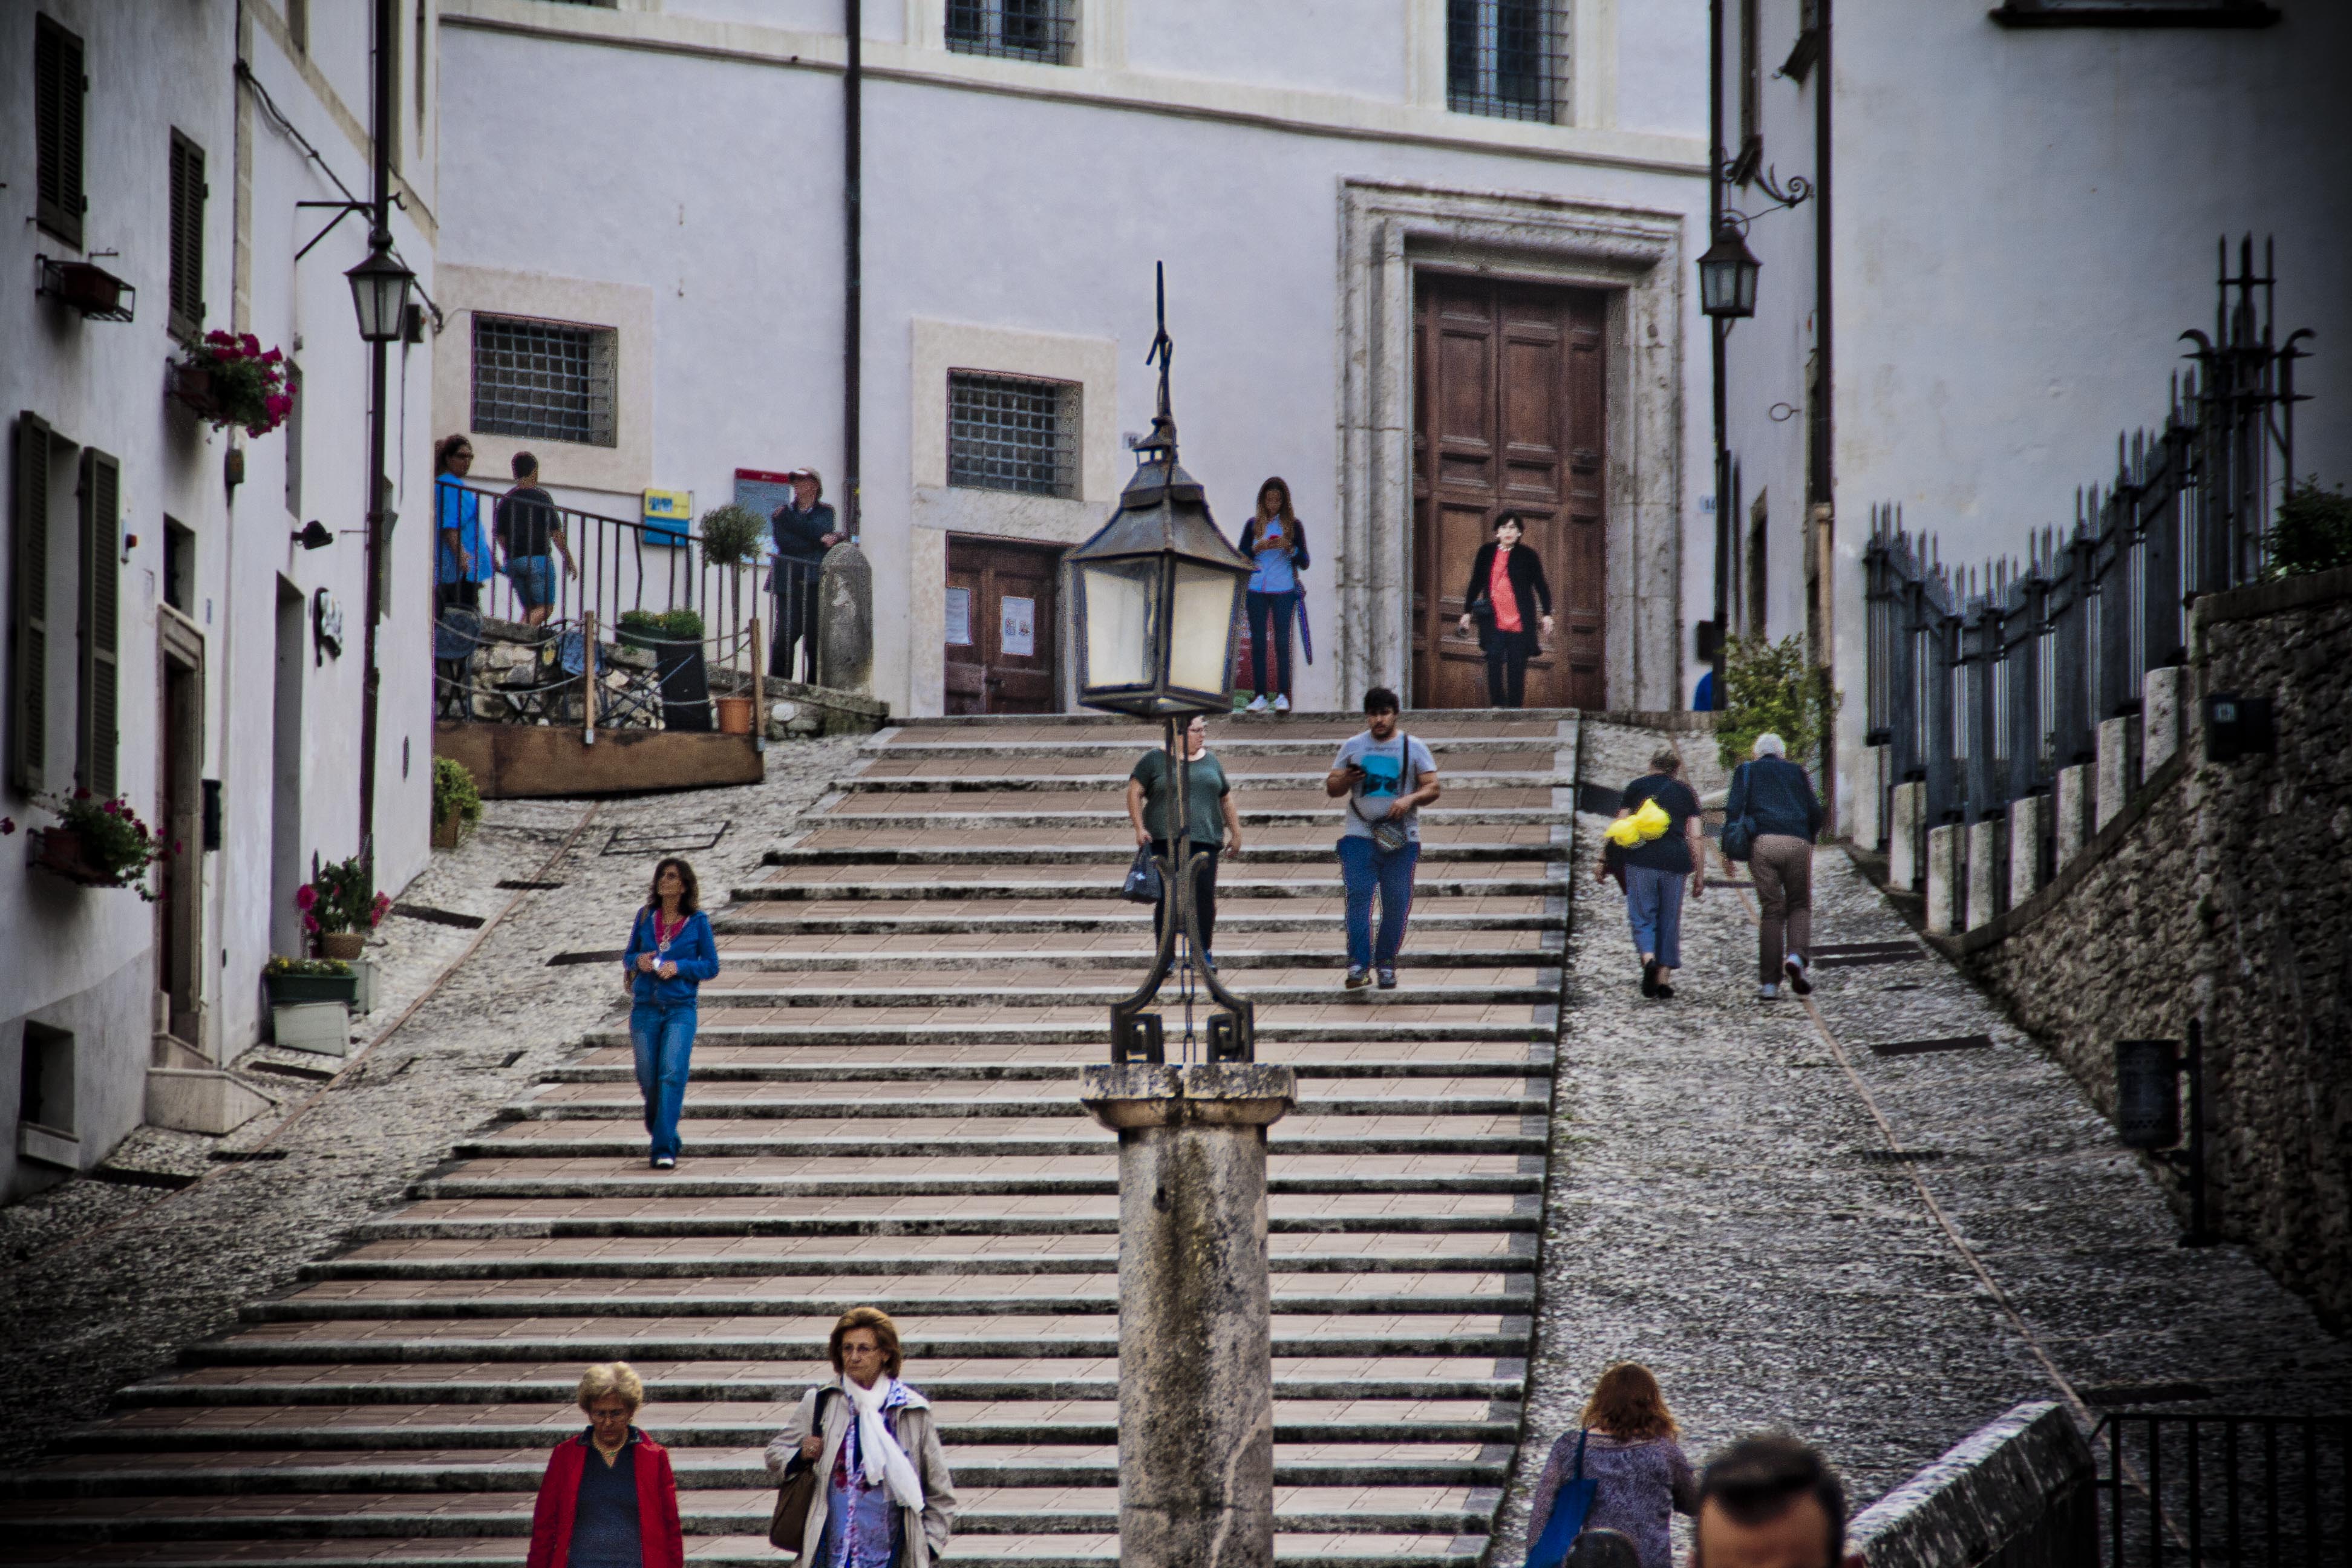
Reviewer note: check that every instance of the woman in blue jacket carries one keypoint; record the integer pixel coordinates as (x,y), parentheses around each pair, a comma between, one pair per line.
(671,951)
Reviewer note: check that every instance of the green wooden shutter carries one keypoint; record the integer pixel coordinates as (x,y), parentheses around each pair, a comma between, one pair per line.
(101,543)
(28,620)
(58,88)
(187,237)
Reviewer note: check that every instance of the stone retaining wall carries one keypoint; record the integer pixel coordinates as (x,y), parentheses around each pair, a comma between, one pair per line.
(2220,892)
(2016,1493)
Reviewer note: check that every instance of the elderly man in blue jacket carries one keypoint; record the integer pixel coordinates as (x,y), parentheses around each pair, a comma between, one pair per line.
(1777,799)
(805,530)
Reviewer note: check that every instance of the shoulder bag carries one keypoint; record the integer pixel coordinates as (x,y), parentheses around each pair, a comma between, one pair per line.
(1740,836)
(788,1528)
(1569,1512)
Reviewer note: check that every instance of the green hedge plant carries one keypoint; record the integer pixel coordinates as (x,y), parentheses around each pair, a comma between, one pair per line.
(2311,531)
(454,791)
(1773,686)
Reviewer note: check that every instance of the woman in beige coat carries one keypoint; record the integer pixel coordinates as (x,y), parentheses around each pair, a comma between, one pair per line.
(887,1500)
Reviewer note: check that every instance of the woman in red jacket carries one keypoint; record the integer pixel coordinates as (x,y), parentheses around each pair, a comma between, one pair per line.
(608,1499)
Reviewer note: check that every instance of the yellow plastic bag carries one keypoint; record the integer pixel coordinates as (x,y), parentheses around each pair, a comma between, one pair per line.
(1644,824)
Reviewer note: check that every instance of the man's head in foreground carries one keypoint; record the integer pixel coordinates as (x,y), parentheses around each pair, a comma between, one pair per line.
(1770,1502)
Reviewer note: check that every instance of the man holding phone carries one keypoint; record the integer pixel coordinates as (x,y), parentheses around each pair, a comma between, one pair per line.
(1386,777)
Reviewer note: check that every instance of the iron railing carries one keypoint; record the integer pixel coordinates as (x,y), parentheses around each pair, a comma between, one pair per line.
(2190,1491)
(1984,682)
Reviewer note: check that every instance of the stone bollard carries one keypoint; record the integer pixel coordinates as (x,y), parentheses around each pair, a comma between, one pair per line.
(1195,1312)
(845,619)
(2115,770)
(2161,691)
(2073,811)
(1908,806)
(1985,871)
(2028,819)
(1945,890)
(1870,797)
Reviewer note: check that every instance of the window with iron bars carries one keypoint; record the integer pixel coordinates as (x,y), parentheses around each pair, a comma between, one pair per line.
(1041,30)
(1507,59)
(545,380)
(1009,434)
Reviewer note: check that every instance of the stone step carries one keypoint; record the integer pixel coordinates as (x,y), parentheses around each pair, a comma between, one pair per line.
(926,1112)
(1337,723)
(751,1551)
(685,1219)
(636,1265)
(1228,742)
(622,1145)
(1118,851)
(1101,1180)
(724,1064)
(982,818)
(1133,920)
(768,956)
(1089,1030)
(938,890)
(1273,778)
(980,994)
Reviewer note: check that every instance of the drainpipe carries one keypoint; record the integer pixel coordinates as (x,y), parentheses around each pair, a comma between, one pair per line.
(853,224)
(1715,162)
(384,124)
(1825,382)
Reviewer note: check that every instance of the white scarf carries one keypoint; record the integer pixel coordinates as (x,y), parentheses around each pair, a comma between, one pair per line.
(882,1458)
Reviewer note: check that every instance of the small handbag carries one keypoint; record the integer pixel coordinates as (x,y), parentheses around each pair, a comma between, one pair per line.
(1142,884)
(1569,1511)
(1738,834)
(788,1527)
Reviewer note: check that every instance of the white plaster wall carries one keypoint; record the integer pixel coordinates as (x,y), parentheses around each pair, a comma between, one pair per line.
(1334,45)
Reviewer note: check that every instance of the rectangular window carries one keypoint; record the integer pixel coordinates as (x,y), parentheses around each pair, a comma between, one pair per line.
(59,85)
(544,381)
(180,567)
(1041,30)
(45,1078)
(1507,59)
(1008,433)
(293,439)
(187,238)
(96,739)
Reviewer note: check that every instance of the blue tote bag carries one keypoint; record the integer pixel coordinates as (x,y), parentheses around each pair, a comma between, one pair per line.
(1567,1514)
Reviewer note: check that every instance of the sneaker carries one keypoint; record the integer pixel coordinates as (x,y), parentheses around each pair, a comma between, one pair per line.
(1767,991)
(1666,991)
(1388,979)
(1650,977)
(1258,704)
(1794,964)
(1358,978)
(1281,704)
(1209,961)
(664,1163)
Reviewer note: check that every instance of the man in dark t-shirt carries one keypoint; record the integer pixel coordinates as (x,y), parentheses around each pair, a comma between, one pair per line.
(1656,870)
(526,524)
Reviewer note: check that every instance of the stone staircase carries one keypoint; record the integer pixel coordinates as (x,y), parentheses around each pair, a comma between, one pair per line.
(884,1111)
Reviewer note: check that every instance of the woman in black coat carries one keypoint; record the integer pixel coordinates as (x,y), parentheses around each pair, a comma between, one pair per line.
(1509,599)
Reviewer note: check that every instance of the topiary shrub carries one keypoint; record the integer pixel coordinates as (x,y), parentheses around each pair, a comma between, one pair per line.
(1773,686)
(2311,531)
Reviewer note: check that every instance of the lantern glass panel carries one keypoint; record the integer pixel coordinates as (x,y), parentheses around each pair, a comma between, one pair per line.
(1118,604)
(1200,648)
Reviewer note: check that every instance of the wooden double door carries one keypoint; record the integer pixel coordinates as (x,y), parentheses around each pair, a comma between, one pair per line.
(1003,614)
(1508,415)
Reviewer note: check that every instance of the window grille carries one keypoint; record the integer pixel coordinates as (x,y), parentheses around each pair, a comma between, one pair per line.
(1041,30)
(187,240)
(1507,58)
(1007,434)
(544,381)
(58,88)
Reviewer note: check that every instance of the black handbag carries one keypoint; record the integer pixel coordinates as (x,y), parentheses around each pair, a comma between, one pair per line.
(1142,884)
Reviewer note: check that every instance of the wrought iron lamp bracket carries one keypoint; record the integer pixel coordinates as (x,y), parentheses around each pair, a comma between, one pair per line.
(1789,196)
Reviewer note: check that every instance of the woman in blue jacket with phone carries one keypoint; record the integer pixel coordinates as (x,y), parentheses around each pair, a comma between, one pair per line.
(671,951)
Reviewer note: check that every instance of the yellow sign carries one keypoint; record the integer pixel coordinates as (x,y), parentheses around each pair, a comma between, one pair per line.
(667,512)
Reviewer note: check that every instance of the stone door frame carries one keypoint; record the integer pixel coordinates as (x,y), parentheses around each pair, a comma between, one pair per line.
(1636,257)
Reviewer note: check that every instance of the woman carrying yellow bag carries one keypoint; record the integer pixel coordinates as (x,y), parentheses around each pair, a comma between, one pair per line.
(1655,841)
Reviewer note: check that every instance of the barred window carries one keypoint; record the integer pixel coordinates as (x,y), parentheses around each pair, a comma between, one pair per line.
(1008,433)
(1042,30)
(1506,58)
(547,380)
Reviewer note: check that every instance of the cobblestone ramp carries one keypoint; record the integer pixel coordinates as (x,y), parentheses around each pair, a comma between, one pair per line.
(884,1110)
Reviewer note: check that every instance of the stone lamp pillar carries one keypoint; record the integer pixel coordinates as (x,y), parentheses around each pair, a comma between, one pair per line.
(1195,1331)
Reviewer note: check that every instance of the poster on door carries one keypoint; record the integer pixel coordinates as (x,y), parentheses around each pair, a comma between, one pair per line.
(959,617)
(1017,627)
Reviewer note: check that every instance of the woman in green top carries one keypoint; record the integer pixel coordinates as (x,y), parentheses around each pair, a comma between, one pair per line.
(1215,826)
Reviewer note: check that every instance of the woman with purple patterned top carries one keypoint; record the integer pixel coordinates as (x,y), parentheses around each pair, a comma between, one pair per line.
(1631,1450)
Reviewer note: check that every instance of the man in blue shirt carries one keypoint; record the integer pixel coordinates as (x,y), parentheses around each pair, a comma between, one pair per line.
(1777,799)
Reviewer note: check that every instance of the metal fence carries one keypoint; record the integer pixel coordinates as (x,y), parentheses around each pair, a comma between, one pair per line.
(1985,680)
(2197,1490)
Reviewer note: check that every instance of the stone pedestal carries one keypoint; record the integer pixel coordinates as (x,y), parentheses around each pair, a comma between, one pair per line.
(2073,811)
(2028,819)
(1870,797)
(1987,871)
(2115,765)
(1906,808)
(2161,693)
(1195,1347)
(1945,890)
(844,620)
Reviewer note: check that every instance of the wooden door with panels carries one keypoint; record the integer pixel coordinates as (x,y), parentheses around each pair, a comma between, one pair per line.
(1002,615)
(1508,415)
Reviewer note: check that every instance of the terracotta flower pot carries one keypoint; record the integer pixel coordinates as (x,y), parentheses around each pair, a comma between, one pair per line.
(734,715)
(193,386)
(449,830)
(346,945)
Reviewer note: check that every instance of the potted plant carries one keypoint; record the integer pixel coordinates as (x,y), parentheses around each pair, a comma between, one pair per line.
(456,803)
(340,905)
(95,843)
(297,980)
(674,640)
(233,380)
(731,537)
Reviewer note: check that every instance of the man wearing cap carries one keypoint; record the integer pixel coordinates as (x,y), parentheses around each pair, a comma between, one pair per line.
(805,530)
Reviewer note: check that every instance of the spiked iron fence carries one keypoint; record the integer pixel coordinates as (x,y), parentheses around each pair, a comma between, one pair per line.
(1985,680)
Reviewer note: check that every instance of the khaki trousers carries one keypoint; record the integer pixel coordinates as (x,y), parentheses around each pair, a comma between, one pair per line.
(1782,865)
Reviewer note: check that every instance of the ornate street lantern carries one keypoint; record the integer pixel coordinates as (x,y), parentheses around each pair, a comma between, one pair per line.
(379,291)
(1153,607)
(1726,277)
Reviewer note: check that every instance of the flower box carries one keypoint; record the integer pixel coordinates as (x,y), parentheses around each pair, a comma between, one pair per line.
(286,990)
(192,387)
(324,1027)
(62,852)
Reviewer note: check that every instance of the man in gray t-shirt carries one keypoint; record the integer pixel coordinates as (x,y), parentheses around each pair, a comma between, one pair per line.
(1384,775)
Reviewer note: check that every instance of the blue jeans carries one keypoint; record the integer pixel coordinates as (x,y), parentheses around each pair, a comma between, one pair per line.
(533,577)
(1654,908)
(1363,867)
(663,1034)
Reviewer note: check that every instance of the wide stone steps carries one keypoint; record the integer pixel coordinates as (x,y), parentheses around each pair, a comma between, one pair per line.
(1252,951)
(748,1551)
(1232,883)
(1110,848)
(1250,784)
(993,814)
(896,1258)
(1113,918)
(921,1072)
